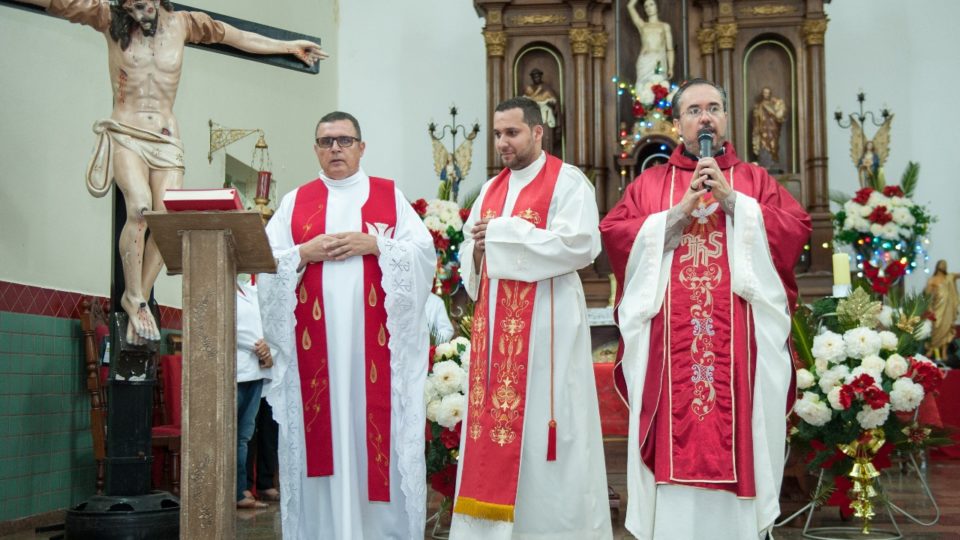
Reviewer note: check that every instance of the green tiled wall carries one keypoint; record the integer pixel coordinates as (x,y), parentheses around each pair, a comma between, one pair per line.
(46,453)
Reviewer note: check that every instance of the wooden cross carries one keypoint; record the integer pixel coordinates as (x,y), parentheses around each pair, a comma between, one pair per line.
(279,60)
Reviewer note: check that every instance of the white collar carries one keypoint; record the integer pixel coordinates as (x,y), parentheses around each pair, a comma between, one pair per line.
(351,180)
(529,172)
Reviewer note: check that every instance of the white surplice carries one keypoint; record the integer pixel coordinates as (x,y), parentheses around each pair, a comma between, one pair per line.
(564,499)
(337,506)
(675,511)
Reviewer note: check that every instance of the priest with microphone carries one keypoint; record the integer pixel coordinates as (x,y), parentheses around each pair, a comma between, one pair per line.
(703,248)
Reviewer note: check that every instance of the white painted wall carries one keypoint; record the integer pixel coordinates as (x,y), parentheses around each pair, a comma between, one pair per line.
(403,64)
(55,85)
(903,55)
(396,66)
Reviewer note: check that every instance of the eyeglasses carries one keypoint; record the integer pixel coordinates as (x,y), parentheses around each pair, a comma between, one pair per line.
(345,141)
(697,112)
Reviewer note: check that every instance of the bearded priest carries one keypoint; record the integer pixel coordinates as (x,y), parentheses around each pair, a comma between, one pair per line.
(531,454)
(346,308)
(703,250)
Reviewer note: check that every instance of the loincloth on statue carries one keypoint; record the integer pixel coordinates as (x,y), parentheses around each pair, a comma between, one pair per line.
(160,152)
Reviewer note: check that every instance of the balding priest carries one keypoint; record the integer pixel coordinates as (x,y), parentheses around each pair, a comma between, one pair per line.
(346,310)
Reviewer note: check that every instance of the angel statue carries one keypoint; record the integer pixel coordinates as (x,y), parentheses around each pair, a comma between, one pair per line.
(453,167)
(869,155)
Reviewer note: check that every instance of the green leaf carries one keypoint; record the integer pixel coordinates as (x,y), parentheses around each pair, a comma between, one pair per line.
(467,200)
(838,197)
(802,329)
(908,182)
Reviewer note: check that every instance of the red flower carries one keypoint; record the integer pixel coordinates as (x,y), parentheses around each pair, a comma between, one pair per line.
(876,397)
(668,111)
(862,382)
(464,214)
(880,215)
(433,349)
(451,437)
(893,191)
(930,316)
(879,287)
(862,196)
(420,206)
(444,481)
(926,374)
(660,92)
(638,110)
(894,270)
(439,242)
(846,396)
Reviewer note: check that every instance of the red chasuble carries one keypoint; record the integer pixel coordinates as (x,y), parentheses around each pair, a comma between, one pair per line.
(695,418)
(309,220)
(498,375)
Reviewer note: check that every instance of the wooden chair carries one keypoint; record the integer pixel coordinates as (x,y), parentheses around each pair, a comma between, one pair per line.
(92,319)
(166,436)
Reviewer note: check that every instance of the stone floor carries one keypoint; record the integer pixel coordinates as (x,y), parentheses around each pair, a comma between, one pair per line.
(902,487)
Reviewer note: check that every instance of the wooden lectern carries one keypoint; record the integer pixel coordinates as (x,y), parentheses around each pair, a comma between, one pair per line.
(209,249)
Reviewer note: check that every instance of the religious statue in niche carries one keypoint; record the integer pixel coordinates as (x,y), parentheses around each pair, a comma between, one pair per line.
(945,304)
(768,116)
(549,103)
(869,155)
(139,147)
(655,61)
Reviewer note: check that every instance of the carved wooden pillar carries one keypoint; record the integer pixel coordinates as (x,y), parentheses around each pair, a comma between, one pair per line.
(726,41)
(580,46)
(496,41)
(815,166)
(707,38)
(599,41)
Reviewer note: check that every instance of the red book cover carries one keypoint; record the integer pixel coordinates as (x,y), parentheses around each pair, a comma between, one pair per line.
(178,200)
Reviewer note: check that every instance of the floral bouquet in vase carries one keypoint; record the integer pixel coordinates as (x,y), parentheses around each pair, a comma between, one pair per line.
(885,228)
(444,219)
(861,384)
(445,397)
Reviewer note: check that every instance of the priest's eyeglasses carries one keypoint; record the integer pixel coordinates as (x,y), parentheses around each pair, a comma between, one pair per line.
(345,141)
(697,112)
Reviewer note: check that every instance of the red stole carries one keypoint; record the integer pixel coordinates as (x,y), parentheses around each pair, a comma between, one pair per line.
(696,416)
(498,377)
(308,221)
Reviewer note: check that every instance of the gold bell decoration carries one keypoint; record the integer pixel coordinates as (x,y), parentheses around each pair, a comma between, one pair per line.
(863,450)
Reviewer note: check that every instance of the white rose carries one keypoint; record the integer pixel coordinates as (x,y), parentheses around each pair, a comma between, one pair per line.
(805,379)
(833,377)
(903,217)
(860,370)
(821,365)
(873,418)
(921,358)
(865,211)
(886,316)
(922,332)
(896,366)
(906,395)
(878,199)
(829,346)
(433,223)
(444,351)
(812,410)
(834,398)
(448,377)
(646,97)
(873,365)
(888,340)
(452,410)
(852,208)
(433,408)
(429,390)
(891,231)
(876,229)
(861,342)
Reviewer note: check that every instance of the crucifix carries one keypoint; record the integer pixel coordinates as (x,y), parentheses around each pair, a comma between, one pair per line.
(139,149)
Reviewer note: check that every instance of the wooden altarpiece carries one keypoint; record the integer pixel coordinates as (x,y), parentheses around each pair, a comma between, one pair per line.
(745,45)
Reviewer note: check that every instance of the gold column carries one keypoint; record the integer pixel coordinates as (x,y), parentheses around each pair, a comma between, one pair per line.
(496,41)
(707,38)
(580,45)
(598,41)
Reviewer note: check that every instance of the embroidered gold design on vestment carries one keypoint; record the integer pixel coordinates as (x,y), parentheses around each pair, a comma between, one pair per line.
(303,293)
(507,398)
(305,340)
(381,459)
(311,405)
(317,312)
(372,297)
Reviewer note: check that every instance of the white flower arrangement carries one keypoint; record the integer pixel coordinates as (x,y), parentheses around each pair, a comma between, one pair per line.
(447,382)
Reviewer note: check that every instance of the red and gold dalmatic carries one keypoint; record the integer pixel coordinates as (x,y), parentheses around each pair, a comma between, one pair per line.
(498,373)
(308,221)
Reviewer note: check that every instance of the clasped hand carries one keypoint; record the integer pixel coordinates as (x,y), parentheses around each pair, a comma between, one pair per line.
(263,353)
(707,174)
(338,247)
(479,233)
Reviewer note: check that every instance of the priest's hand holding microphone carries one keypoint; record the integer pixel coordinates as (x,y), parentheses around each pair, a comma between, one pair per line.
(707,177)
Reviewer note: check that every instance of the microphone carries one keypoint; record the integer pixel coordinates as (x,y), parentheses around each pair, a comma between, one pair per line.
(705,139)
